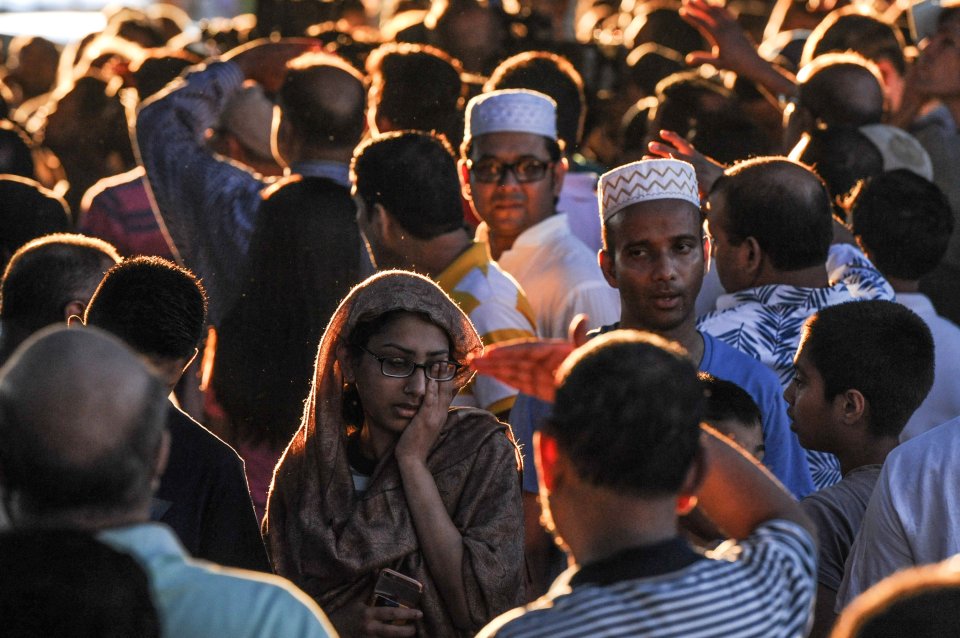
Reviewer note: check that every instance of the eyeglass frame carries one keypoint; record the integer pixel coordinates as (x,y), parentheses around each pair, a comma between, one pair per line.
(456,366)
(512,168)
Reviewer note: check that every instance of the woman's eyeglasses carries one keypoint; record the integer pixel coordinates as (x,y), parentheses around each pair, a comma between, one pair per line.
(400,368)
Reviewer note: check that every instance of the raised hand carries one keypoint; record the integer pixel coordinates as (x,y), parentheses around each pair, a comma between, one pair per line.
(676,147)
(422,431)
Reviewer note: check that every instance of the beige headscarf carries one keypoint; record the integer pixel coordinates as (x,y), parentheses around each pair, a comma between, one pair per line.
(332,542)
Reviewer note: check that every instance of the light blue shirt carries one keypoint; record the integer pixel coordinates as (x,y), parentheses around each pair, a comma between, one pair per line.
(197,599)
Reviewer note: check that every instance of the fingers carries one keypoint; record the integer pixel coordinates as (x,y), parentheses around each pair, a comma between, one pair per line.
(577,332)
(379,621)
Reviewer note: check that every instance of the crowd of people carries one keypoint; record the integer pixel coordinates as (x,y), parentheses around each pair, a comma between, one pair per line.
(463,318)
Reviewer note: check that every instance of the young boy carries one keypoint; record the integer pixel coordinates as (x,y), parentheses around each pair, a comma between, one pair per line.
(862,368)
(732,412)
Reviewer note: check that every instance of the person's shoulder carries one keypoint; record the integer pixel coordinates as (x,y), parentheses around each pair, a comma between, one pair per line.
(732,364)
(941,442)
(256,603)
(201,442)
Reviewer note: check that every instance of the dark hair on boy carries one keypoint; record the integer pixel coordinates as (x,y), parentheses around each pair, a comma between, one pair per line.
(320,119)
(413,175)
(649,63)
(726,400)
(904,222)
(842,156)
(155,306)
(644,403)
(555,77)
(879,348)
(841,89)
(418,87)
(46,274)
(783,205)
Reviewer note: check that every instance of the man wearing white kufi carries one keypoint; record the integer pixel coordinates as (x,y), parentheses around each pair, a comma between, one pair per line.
(512,172)
(654,255)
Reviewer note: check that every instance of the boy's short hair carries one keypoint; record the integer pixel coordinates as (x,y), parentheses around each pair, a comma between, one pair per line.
(155,306)
(727,400)
(627,413)
(880,348)
(904,222)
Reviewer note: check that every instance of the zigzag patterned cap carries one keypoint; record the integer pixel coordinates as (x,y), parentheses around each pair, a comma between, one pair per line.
(645,181)
(511,111)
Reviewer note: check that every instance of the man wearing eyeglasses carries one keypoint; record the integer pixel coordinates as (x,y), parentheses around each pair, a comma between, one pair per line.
(511,171)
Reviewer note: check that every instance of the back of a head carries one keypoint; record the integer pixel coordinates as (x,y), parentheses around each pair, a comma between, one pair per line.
(553,76)
(728,401)
(841,89)
(81,424)
(323,98)
(156,307)
(685,98)
(44,276)
(644,403)
(842,156)
(418,87)
(66,583)
(660,22)
(855,28)
(413,175)
(27,211)
(156,71)
(649,63)
(904,222)
(880,348)
(783,205)
(920,602)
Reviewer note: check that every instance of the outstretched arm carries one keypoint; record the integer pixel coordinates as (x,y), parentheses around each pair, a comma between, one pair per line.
(732,49)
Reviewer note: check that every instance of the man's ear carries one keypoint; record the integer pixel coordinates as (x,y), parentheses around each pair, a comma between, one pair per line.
(160,463)
(608,266)
(73,308)
(545,455)
(695,473)
(707,258)
(75,321)
(752,257)
(196,351)
(559,173)
(852,405)
(464,180)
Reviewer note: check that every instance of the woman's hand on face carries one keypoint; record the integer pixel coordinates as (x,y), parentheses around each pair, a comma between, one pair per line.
(378,621)
(419,436)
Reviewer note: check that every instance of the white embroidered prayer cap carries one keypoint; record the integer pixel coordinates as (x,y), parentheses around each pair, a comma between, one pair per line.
(511,111)
(645,181)
(899,149)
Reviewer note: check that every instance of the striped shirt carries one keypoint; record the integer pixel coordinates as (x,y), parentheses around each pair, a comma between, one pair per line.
(762,587)
(499,310)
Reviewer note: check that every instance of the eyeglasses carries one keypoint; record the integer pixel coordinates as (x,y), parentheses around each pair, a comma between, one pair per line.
(401,368)
(525,169)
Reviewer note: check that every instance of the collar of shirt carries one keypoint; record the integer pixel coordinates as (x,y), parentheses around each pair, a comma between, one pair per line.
(334,171)
(645,561)
(146,540)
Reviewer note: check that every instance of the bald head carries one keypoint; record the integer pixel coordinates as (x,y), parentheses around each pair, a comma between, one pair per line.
(323,100)
(81,424)
(842,89)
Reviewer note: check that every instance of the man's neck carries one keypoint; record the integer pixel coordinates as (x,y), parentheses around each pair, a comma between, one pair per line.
(813,277)
(613,523)
(686,334)
(904,285)
(433,256)
(872,451)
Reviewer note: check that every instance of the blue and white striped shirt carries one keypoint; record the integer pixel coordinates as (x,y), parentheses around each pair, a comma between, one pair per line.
(762,587)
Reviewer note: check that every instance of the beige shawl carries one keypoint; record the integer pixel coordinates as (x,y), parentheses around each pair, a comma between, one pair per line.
(332,543)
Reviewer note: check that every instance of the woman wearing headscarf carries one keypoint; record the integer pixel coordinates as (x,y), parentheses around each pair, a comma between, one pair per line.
(384,474)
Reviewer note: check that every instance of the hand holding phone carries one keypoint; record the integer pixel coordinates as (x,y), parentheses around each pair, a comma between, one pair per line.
(392,608)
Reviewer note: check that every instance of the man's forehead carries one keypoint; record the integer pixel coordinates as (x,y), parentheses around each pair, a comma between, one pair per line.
(509,144)
(678,216)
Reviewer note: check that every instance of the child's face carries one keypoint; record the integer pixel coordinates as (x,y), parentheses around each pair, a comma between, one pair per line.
(812,415)
(749,436)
